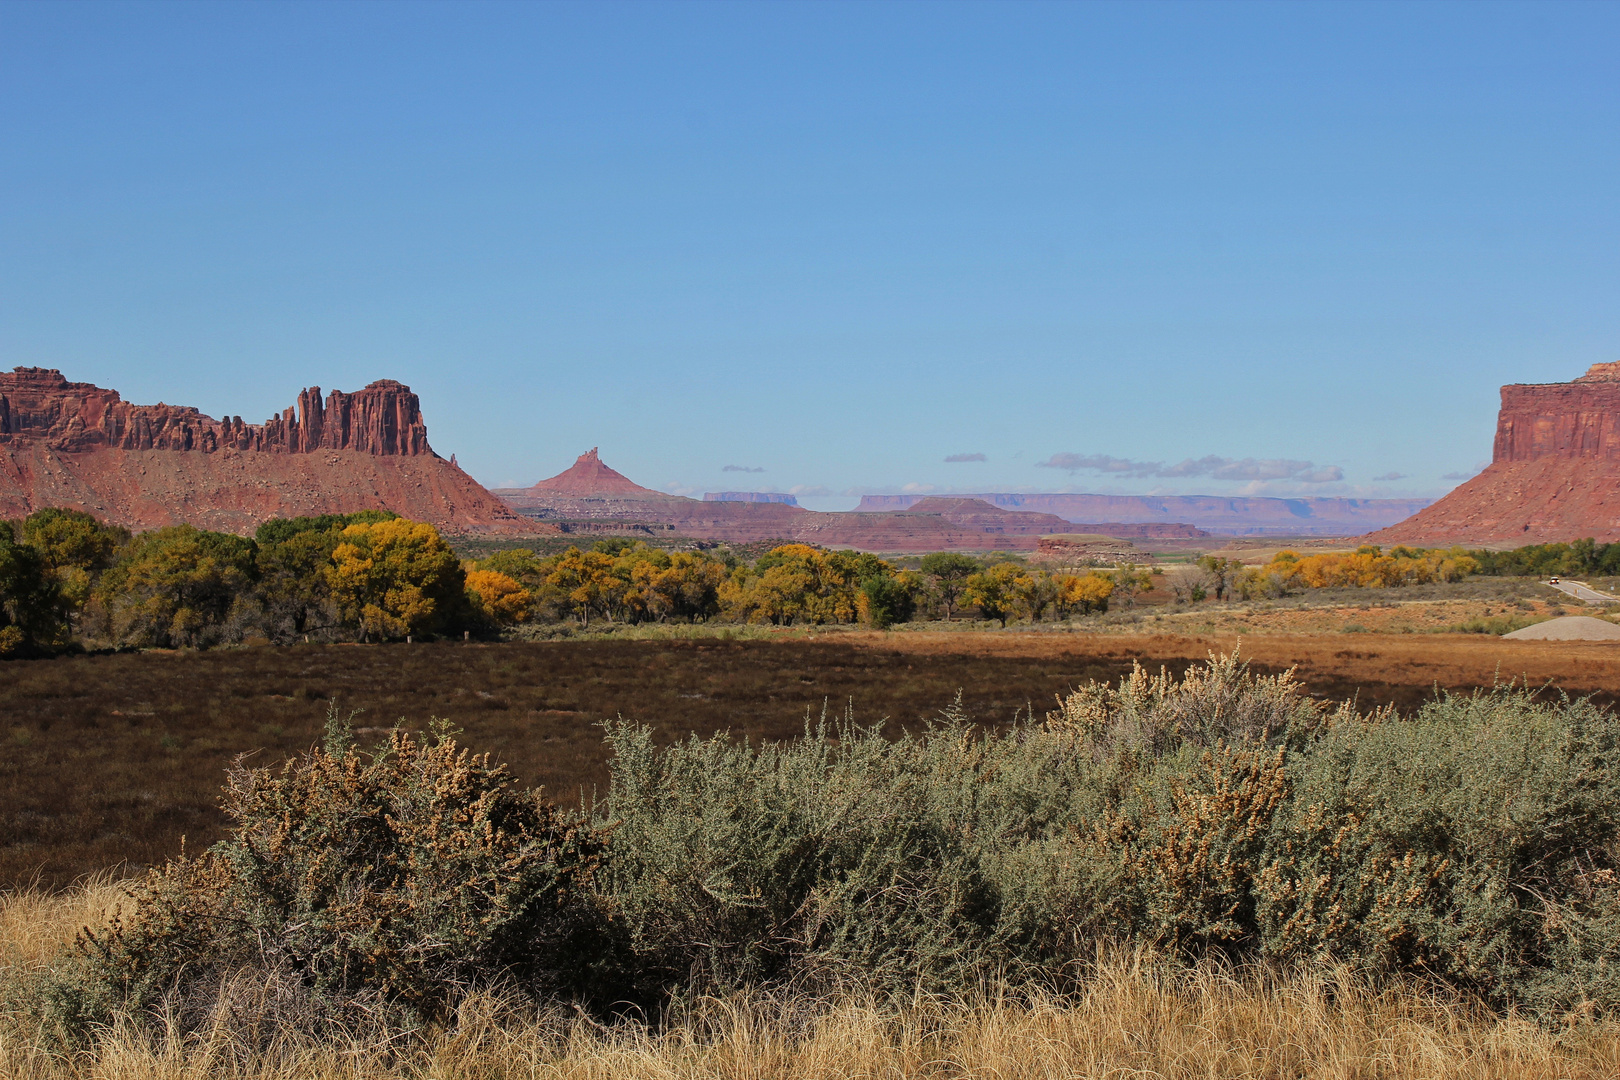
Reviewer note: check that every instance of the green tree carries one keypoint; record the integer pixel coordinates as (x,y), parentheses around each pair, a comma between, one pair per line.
(949,572)
(1130,579)
(991,591)
(75,548)
(180,587)
(885,600)
(1222,572)
(32,608)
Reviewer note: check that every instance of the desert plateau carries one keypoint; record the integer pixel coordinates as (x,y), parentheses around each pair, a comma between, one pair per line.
(853,541)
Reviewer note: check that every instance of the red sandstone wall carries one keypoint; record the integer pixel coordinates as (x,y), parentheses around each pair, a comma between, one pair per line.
(384,418)
(1567,420)
(1554,474)
(143,466)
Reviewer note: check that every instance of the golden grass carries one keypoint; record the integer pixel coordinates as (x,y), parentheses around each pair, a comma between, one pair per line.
(1133,1020)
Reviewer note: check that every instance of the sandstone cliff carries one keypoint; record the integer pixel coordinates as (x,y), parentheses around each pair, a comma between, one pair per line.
(143,466)
(1554,473)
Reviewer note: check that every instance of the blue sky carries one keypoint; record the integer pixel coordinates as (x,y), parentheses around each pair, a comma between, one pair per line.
(1275,248)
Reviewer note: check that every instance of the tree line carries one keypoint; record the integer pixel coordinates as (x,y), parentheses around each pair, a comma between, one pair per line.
(70,580)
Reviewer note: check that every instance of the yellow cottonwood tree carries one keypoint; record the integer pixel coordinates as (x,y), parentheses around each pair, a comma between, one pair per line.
(393,578)
(499,598)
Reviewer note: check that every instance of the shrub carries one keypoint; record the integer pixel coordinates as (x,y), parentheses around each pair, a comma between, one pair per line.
(394,880)
(814,861)
(1224,811)
(1474,841)
(1220,813)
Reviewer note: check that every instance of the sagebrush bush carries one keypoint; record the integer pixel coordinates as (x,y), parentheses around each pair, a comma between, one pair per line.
(1227,811)
(1473,843)
(352,881)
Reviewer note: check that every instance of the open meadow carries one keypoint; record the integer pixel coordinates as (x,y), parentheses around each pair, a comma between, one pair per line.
(110,759)
(931,907)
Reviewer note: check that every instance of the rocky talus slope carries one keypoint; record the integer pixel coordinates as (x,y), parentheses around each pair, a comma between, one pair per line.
(1554,473)
(144,466)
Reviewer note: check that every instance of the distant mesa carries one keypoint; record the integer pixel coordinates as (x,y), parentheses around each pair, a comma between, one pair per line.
(1190,515)
(751,497)
(82,446)
(589,496)
(1554,473)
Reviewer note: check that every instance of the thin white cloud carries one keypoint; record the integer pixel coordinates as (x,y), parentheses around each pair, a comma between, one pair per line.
(809,490)
(1389,477)
(741,468)
(954,458)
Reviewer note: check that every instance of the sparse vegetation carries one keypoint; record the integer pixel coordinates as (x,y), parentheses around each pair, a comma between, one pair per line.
(1145,837)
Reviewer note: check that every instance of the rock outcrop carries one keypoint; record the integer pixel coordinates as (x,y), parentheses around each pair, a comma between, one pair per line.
(978,514)
(590,493)
(1087,550)
(588,477)
(144,466)
(1554,472)
(385,418)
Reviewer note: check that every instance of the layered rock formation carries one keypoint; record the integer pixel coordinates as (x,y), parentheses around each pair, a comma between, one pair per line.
(978,514)
(1193,515)
(1086,550)
(1554,473)
(589,493)
(385,418)
(144,466)
(751,497)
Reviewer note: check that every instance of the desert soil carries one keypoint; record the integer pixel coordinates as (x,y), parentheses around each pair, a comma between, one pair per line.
(111,759)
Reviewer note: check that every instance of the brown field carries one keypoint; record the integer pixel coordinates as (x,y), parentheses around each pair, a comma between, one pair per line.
(110,759)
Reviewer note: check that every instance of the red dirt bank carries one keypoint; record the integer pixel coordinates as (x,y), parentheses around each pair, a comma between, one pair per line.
(145,466)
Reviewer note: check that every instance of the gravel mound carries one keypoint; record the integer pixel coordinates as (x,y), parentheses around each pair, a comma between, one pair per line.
(1568,628)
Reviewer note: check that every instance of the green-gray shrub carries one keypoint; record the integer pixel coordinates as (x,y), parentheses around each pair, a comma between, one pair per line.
(1473,842)
(380,884)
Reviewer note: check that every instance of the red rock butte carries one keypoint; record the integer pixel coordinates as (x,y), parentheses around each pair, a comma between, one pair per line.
(589,476)
(590,497)
(1554,473)
(82,446)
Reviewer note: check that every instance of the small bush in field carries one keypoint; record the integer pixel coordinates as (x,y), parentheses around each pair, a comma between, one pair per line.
(393,880)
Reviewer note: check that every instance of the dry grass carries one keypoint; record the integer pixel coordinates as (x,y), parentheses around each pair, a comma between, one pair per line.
(1130,1019)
